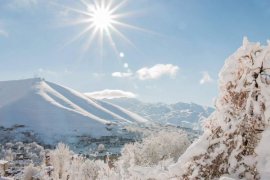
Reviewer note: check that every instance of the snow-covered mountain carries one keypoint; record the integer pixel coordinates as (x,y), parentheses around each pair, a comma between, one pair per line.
(54,111)
(186,115)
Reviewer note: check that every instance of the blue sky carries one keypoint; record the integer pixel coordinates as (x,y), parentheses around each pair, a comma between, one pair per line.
(178,60)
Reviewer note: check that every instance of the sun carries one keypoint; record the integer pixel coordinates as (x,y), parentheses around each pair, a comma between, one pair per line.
(102,18)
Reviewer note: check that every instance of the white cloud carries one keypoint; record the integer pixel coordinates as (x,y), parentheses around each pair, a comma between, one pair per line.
(206,78)
(111,94)
(157,71)
(122,74)
(146,73)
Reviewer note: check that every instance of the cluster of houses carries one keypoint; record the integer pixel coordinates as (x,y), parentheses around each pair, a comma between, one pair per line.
(22,155)
(14,157)
(14,167)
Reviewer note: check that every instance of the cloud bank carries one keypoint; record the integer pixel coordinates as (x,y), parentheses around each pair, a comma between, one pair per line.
(157,71)
(146,73)
(122,74)
(111,94)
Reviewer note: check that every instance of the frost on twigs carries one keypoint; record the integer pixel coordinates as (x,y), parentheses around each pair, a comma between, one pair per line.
(242,113)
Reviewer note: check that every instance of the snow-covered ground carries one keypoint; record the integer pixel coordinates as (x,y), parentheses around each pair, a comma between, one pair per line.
(263,152)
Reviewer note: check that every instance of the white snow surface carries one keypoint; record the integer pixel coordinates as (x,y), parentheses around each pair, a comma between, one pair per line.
(53,110)
(263,152)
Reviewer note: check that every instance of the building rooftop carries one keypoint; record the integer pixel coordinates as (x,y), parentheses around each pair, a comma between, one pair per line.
(3,162)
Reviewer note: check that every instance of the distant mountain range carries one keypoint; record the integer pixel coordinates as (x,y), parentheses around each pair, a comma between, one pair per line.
(188,115)
(55,112)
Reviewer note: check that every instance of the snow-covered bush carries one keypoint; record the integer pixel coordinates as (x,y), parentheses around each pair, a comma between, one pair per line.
(234,130)
(60,160)
(138,161)
(89,170)
(101,148)
(8,155)
(152,155)
(67,165)
(30,172)
(155,148)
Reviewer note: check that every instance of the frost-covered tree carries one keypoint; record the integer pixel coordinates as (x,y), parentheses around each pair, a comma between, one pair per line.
(233,131)
(156,150)
(101,148)
(30,172)
(89,170)
(68,166)
(60,160)
(9,155)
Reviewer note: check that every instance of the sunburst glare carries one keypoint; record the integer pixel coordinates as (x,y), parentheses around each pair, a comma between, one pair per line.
(102,19)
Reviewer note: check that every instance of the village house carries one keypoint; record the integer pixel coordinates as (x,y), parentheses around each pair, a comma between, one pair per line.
(3,167)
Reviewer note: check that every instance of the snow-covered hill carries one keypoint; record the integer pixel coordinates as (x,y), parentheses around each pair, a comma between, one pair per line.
(186,115)
(54,111)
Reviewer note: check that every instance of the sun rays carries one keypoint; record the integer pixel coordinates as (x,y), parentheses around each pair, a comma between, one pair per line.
(102,20)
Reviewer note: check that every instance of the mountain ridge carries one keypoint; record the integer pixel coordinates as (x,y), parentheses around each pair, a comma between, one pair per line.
(187,115)
(53,110)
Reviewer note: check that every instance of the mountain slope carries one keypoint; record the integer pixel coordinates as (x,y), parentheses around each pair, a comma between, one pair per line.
(186,115)
(55,111)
